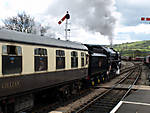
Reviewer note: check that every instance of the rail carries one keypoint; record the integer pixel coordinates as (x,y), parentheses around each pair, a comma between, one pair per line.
(114,100)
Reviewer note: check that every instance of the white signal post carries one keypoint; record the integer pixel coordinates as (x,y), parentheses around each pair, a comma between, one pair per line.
(66,29)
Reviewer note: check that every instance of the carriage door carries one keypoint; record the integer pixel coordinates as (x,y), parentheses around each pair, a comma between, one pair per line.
(11,59)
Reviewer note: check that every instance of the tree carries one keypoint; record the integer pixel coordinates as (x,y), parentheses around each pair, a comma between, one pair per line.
(23,23)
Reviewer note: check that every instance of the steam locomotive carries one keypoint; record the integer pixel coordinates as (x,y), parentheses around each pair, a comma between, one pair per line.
(31,64)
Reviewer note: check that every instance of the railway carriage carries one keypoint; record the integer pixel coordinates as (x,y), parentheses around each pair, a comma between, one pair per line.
(31,63)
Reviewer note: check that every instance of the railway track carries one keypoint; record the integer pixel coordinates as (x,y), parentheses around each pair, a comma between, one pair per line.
(105,102)
(49,107)
(127,69)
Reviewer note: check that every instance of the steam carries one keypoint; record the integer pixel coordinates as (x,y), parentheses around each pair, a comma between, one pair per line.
(92,15)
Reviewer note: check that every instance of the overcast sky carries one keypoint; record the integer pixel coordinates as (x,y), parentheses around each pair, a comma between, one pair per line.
(92,21)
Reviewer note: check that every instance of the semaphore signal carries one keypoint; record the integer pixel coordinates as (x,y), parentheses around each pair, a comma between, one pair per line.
(145,19)
(66,17)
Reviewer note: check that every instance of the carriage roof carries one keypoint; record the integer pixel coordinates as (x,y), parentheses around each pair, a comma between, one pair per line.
(14,36)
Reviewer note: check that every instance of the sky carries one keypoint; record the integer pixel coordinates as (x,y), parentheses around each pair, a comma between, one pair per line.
(91,21)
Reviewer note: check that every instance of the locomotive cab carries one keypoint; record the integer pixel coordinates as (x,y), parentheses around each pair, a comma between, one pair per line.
(97,67)
(98,64)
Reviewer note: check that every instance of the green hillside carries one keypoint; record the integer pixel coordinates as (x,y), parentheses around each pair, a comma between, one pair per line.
(139,48)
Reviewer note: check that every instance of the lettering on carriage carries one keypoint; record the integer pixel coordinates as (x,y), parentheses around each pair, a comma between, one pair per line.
(11,84)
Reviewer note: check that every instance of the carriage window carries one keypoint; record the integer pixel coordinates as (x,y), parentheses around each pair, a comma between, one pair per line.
(40,59)
(11,50)
(60,59)
(74,59)
(11,59)
(82,59)
(19,51)
(40,51)
(4,49)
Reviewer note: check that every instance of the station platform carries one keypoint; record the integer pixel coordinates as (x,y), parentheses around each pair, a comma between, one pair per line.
(137,102)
